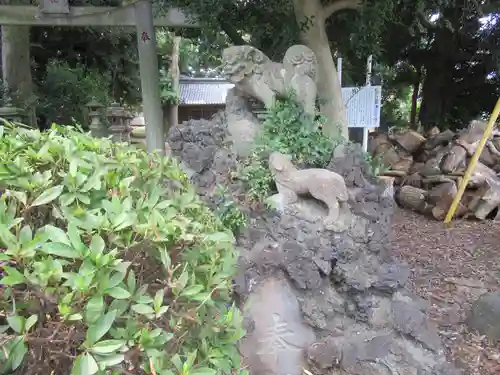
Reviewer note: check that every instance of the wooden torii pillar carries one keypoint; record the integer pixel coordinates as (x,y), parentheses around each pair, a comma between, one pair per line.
(138,14)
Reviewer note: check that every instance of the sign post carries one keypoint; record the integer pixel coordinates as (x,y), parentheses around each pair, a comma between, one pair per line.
(369,63)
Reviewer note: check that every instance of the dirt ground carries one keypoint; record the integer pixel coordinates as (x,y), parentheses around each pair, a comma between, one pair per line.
(451,267)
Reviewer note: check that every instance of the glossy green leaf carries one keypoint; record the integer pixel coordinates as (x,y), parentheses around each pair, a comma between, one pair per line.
(203,371)
(131,283)
(67,199)
(116,279)
(74,237)
(192,290)
(97,244)
(30,322)
(56,234)
(109,360)
(18,352)
(94,308)
(107,346)
(98,329)
(14,277)
(17,323)
(181,282)
(7,237)
(158,299)
(118,293)
(74,317)
(85,364)
(60,249)
(165,259)
(186,367)
(48,196)
(143,309)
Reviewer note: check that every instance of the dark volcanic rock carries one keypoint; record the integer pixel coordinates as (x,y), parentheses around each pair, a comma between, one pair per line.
(349,292)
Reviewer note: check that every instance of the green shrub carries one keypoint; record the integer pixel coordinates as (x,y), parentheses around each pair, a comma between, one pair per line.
(109,262)
(167,93)
(228,211)
(65,91)
(289,130)
(376,164)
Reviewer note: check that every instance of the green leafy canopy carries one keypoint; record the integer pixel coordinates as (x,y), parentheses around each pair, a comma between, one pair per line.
(108,249)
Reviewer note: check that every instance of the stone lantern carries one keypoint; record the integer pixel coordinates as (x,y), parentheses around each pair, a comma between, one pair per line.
(97,128)
(138,132)
(119,123)
(11,113)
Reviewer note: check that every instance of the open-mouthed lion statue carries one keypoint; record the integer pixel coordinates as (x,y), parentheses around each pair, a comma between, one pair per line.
(254,74)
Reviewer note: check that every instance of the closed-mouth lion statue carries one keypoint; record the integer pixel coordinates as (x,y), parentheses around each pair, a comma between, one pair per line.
(324,185)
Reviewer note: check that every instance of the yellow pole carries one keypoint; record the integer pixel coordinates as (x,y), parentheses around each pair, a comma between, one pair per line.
(473,162)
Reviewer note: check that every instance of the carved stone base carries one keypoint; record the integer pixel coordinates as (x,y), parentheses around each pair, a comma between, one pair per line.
(242,125)
(277,337)
(313,211)
(340,298)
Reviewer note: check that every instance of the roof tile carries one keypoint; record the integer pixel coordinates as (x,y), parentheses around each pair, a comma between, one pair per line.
(204,92)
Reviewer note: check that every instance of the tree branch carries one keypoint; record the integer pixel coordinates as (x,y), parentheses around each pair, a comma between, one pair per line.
(338,5)
(231,32)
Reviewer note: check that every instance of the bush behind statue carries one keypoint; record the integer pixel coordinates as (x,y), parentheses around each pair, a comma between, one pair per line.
(289,130)
(109,261)
(65,91)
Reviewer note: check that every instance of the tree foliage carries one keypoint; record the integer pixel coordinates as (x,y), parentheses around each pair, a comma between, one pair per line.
(269,26)
(451,52)
(65,91)
(456,51)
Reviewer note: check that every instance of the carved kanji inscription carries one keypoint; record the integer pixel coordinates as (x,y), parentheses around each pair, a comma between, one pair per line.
(277,338)
(280,337)
(145,37)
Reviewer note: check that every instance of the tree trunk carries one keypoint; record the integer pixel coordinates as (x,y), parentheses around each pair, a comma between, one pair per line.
(414,99)
(437,82)
(431,110)
(16,65)
(312,15)
(174,73)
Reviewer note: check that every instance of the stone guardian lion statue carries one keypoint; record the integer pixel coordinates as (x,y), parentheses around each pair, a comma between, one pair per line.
(323,185)
(255,75)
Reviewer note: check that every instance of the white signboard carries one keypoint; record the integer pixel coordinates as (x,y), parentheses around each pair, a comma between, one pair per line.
(363,106)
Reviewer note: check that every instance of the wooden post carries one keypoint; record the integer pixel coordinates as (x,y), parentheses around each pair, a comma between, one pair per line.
(175,75)
(369,63)
(339,69)
(150,77)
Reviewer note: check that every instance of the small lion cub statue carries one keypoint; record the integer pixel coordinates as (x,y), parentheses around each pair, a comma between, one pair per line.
(323,185)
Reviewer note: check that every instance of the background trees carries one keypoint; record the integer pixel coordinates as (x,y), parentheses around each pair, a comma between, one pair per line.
(438,60)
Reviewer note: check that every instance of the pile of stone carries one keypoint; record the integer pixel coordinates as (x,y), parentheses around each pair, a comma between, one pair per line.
(318,287)
(428,171)
(314,299)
